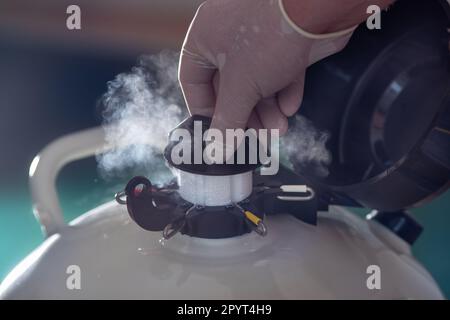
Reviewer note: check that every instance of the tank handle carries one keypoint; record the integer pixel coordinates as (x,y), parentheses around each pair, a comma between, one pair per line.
(46,166)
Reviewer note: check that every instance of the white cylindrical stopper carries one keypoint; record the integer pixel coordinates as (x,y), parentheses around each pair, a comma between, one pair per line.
(214,190)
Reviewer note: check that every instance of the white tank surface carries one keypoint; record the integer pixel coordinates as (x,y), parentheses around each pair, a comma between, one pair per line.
(116,259)
(119,260)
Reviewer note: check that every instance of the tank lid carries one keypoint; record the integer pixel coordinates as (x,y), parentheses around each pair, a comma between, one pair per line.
(195,127)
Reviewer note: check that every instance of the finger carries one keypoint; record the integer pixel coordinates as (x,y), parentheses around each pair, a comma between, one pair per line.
(290,98)
(195,75)
(236,99)
(271,116)
(216,81)
(254,122)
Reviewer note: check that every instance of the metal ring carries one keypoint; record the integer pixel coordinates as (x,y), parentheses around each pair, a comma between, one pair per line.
(261,229)
(119,197)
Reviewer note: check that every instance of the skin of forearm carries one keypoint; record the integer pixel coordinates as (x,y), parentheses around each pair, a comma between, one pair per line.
(323,16)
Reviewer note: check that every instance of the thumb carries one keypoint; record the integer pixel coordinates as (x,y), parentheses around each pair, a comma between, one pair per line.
(235,102)
(290,98)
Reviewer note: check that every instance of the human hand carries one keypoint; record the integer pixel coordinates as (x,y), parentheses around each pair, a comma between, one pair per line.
(243,64)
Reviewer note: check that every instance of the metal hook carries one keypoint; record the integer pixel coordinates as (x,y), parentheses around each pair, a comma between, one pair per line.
(172,228)
(175,226)
(253,221)
(261,229)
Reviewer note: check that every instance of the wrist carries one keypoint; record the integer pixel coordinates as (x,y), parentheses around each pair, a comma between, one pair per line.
(304,14)
(326,16)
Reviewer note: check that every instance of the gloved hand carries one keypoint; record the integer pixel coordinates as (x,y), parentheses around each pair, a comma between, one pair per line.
(243,63)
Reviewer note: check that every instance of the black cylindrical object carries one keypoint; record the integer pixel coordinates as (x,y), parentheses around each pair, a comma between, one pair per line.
(385,100)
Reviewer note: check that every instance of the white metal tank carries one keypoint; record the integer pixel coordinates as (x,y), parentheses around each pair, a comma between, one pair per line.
(115,258)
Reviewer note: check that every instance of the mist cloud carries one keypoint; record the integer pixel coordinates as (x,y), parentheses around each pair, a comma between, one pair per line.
(139,109)
(306,145)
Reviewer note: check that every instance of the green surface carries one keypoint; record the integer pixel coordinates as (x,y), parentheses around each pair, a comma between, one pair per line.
(80,189)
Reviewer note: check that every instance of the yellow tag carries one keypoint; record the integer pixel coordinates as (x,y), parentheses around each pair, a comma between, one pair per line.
(250,216)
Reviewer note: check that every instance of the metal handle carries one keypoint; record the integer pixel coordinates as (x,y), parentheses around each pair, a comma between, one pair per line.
(46,166)
(295,189)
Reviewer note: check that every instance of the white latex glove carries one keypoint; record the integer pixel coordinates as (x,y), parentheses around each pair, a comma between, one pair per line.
(244,64)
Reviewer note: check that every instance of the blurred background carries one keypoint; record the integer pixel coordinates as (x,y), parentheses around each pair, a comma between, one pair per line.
(51,79)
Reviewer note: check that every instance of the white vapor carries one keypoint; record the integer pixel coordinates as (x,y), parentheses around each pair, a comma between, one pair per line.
(305,145)
(139,110)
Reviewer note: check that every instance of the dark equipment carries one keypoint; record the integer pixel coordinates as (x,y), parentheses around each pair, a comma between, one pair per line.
(385,100)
